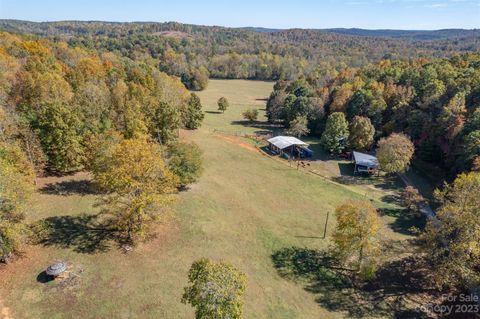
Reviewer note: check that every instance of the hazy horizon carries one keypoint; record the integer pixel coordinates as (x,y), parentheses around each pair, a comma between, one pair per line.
(246,26)
(416,15)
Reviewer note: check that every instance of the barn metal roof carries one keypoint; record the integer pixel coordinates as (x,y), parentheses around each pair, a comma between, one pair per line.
(285,141)
(365,159)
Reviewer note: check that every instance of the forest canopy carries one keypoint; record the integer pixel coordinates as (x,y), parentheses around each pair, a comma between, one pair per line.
(246,53)
(54,98)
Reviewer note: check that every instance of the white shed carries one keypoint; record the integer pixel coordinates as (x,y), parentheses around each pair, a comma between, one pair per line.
(364,163)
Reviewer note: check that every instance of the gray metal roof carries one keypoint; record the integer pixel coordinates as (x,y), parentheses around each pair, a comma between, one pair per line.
(56,268)
(365,159)
(285,141)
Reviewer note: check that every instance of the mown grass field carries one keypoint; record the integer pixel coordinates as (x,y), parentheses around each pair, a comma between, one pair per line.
(245,208)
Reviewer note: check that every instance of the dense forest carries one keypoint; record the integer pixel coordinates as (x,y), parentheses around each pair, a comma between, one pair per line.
(436,102)
(54,97)
(244,53)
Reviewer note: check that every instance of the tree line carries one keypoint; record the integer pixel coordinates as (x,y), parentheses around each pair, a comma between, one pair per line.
(188,50)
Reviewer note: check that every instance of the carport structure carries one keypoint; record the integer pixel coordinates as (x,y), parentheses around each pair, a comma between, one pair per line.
(289,144)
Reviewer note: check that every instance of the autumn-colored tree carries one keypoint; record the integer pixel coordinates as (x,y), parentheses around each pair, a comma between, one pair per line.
(194,115)
(356,236)
(185,161)
(216,290)
(335,136)
(452,238)
(15,132)
(98,148)
(92,104)
(298,127)
(394,153)
(361,133)
(140,187)
(413,200)
(173,63)
(341,98)
(12,155)
(250,114)
(196,79)
(16,187)
(222,104)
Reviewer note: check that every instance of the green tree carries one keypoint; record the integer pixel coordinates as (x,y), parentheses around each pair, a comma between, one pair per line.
(473,122)
(250,114)
(139,186)
(356,236)
(57,127)
(276,105)
(222,104)
(361,133)
(185,161)
(16,189)
(196,79)
(394,153)
(216,290)
(472,145)
(452,238)
(334,138)
(166,123)
(298,127)
(194,115)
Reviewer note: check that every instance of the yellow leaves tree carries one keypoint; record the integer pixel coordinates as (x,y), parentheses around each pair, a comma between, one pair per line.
(341,98)
(16,186)
(355,238)
(215,290)
(140,187)
(395,153)
(452,239)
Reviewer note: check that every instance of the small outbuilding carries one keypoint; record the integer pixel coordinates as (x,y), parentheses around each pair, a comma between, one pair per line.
(364,163)
(289,145)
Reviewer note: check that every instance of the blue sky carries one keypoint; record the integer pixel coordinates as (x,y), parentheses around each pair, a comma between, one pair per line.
(370,14)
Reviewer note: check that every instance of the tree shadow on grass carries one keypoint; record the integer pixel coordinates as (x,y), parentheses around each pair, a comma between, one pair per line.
(83,233)
(337,289)
(261,125)
(405,222)
(214,112)
(392,199)
(71,187)
(389,183)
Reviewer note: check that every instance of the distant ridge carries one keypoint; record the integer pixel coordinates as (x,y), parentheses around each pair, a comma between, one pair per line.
(62,27)
(386,33)
(408,34)
(261,29)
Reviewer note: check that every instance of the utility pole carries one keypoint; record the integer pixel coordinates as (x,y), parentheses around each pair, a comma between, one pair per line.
(326,224)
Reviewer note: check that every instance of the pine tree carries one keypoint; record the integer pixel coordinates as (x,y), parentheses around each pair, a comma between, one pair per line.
(334,138)
(194,115)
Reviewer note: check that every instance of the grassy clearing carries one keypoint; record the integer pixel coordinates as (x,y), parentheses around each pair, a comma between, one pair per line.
(245,209)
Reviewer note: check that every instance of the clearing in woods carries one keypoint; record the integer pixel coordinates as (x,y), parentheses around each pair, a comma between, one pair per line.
(247,209)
